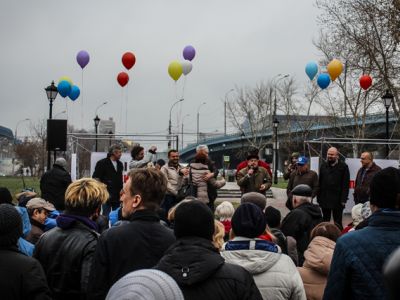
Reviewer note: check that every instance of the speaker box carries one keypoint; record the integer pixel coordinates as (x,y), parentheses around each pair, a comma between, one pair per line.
(56,135)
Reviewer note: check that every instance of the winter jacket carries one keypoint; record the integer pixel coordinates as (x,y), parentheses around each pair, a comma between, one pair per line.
(135,164)
(35,233)
(333,185)
(22,277)
(24,246)
(287,243)
(136,245)
(53,185)
(299,223)
(66,254)
(201,272)
(253,183)
(174,179)
(361,189)
(317,263)
(356,268)
(310,178)
(274,273)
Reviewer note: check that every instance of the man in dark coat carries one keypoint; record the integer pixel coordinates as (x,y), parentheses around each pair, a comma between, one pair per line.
(54,183)
(334,179)
(138,244)
(195,264)
(364,177)
(66,251)
(109,171)
(359,256)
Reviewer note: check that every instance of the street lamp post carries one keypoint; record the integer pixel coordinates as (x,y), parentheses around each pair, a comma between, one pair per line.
(198,121)
(51,92)
(276,124)
(170,122)
(225,105)
(387,100)
(223,159)
(96,125)
(183,119)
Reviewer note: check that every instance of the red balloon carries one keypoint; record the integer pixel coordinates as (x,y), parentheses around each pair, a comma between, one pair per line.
(123,79)
(128,60)
(365,81)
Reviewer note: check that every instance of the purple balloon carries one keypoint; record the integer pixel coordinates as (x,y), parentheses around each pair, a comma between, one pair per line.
(189,52)
(82,58)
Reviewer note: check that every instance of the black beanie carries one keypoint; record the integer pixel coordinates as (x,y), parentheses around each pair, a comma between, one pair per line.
(194,218)
(384,187)
(273,216)
(10,225)
(5,195)
(248,221)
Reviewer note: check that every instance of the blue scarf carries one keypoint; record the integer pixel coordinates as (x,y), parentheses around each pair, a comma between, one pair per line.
(245,245)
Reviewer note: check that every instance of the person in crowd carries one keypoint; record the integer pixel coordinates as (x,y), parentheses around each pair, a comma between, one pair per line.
(25,195)
(54,183)
(22,277)
(171,212)
(292,165)
(198,172)
(334,177)
(391,273)
(201,272)
(302,219)
(274,273)
(174,173)
(359,213)
(302,175)
(38,211)
(146,284)
(224,213)
(66,251)
(256,198)
(253,178)
(159,164)
(356,269)
(364,177)
(109,171)
(139,159)
(219,234)
(317,259)
(136,245)
(261,163)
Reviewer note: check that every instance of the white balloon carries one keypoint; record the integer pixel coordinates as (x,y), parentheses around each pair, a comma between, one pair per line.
(186,67)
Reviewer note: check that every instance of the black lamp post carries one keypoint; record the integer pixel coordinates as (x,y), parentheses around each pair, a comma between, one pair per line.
(51,92)
(276,124)
(96,125)
(387,100)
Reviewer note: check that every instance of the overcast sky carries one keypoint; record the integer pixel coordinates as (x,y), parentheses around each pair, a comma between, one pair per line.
(237,42)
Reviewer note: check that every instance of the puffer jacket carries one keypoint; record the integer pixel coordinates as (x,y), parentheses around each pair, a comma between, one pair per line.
(314,272)
(201,273)
(198,170)
(274,273)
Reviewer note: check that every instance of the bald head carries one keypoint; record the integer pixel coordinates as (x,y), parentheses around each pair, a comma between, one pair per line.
(366,159)
(332,155)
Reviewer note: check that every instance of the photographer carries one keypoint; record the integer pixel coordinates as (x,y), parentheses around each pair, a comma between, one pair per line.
(292,166)
(254,178)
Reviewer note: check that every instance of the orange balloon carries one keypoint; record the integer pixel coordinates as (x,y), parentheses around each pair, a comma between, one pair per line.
(335,68)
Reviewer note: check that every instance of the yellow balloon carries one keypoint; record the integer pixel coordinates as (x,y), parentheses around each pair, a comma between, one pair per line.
(66,78)
(175,70)
(335,68)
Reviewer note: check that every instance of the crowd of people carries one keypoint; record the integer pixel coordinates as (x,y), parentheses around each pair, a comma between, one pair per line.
(160,235)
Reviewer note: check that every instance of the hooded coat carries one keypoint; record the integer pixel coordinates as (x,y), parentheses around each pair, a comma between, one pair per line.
(317,263)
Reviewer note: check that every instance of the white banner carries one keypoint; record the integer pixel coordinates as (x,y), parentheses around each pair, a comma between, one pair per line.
(73,166)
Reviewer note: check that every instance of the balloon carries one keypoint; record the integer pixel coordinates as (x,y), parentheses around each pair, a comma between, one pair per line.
(64,88)
(82,58)
(123,79)
(186,67)
(175,70)
(323,80)
(311,69)
(189,53)
(128,60)
(74,93)
(65,78)
(365,81)
(335,68)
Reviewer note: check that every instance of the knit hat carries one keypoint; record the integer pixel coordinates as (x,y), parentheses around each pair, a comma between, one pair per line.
(5,195)
(253,197)
(273,216)
(302,190)
(248,221)
(10,225)
(61,162)
(194,218)
(356,214)
(384,187)
(146,285)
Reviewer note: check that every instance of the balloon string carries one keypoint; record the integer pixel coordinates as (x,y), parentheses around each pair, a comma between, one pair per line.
(126,108)
(120,113)
(66,108)
(82,101)
(183,89)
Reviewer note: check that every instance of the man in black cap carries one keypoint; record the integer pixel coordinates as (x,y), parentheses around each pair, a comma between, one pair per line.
(302,219)
(253,178)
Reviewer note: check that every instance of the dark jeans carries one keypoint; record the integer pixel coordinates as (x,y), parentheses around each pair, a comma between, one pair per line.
(337,215)
(107,207)
(168,202)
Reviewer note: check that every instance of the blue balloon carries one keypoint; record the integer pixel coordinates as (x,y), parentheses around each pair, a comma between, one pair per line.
(311,69)
(75,92)
(323,80)
(64,88)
